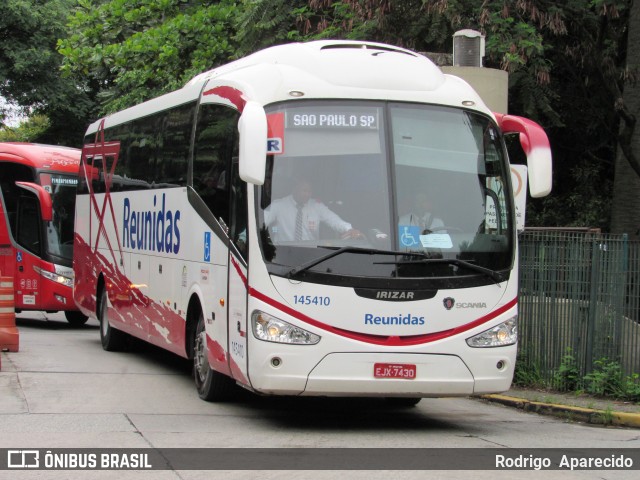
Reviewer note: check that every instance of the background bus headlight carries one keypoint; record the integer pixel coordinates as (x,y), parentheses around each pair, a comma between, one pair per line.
(272,329)
(55,277)
(501,335)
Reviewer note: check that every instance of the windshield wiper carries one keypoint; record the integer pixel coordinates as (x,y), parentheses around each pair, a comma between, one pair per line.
(496,276)
(338,251)
(424,258)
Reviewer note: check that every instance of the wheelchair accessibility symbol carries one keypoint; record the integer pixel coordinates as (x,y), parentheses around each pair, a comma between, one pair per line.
(409,235)
(207,246)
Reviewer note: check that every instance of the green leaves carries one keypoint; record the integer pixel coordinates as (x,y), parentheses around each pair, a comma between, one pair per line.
(27,131)
(29,67)
(136,50)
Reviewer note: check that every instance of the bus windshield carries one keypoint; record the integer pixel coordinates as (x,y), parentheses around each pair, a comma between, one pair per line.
(422,189)
(59,230)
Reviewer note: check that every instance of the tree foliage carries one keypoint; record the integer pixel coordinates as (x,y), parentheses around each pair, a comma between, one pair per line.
(133,50)
(29,67)
(264,23)
(625,212)
(32,128)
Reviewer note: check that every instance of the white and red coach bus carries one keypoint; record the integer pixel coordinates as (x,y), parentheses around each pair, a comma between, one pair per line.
(37,198)
(185,237)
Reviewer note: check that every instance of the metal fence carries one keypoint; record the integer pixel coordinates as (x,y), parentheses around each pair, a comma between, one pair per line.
(579,294)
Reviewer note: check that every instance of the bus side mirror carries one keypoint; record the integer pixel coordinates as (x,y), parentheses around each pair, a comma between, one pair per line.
(535,144)
(44,199)
(253,143)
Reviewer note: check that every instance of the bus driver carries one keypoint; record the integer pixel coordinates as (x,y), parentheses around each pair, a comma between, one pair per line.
(422,216)
(297,217)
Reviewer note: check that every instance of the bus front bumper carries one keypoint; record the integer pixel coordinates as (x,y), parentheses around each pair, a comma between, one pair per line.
(354,374)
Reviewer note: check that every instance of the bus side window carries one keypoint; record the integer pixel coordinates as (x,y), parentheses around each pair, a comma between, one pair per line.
(28,228)
(97,173)
(216,144)
(9,175)
(86,165)
(173,158)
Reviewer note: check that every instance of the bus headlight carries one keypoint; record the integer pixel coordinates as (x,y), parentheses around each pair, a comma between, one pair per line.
(272,329)
(501,335)
(55,277)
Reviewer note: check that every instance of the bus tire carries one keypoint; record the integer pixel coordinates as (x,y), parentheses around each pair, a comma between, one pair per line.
(112,339)
(75,318)
(212,386)
(403,401)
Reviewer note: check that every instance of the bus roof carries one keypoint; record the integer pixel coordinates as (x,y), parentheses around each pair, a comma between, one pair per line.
(41,157)
(331,69)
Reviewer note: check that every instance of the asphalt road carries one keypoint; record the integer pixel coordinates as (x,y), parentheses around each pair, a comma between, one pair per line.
(61,390)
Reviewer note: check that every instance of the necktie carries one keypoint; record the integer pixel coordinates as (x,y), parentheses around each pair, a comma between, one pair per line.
(426,220)
(298,232)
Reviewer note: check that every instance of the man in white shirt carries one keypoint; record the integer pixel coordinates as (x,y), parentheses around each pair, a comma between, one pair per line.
(422,217)
(297,217)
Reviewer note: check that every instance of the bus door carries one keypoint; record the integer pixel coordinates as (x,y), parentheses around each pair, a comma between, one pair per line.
(28,251)
(7,260)
(238,324)
(20,249)
(215,179)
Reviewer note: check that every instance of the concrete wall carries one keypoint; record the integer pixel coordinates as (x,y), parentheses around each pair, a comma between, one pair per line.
(491,84)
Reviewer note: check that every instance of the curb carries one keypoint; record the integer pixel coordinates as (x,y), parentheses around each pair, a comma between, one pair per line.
(569,412)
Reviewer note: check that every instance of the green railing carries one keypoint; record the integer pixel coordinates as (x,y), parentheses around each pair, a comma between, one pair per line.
(579,294)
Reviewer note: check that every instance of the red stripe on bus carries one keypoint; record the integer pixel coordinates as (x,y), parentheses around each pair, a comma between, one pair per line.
(234,95)
(393,341)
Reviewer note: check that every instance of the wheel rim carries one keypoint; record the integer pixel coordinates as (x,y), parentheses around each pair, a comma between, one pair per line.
(200,357)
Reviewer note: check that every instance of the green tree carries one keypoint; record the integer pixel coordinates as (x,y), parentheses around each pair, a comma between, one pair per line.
(28,131)
(264,23)
(586,78)
(134,50)
(29,68)
(626,205)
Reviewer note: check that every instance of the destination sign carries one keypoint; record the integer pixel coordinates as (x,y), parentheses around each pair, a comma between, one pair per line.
(340,119)
(64,180)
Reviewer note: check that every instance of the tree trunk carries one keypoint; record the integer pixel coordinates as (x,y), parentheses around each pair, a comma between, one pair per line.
(625,211)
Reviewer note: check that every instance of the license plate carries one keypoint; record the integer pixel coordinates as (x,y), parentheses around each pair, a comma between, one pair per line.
(394,370)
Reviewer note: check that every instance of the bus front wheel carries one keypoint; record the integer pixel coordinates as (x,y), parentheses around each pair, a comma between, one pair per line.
(212,386)
(112,339)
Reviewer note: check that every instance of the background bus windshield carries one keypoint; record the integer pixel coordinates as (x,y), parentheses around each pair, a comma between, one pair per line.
(430,182)
(59,230)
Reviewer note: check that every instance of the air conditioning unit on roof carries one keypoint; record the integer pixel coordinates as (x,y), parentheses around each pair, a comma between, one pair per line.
(468,48)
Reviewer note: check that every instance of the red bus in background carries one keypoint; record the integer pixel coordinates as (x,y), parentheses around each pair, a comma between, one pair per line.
(37,206)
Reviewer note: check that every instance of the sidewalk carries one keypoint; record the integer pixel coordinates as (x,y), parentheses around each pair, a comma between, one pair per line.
(573,407)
